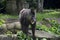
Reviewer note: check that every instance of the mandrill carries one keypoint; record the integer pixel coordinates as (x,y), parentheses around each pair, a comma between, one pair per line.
(27,17)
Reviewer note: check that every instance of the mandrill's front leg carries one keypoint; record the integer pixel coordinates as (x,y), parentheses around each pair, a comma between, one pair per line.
(33,25)
(33,30)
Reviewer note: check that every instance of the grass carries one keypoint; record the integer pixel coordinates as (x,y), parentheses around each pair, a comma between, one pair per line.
(50,14)
(5,16)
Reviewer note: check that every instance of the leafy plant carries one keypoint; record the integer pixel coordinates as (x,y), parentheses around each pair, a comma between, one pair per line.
(22,36)
(5,16)
(44,39)
(9,33)
(42,27)
(1,21)
(55,27)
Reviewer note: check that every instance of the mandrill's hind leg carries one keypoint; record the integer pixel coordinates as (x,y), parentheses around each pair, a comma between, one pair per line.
(24,28)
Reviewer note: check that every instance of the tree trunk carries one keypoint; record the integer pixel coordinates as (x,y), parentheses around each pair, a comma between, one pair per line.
(26,5)
(11,7)
(40,5)
(19,4)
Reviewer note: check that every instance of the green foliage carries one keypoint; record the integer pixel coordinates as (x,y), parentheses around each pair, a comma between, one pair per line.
(9,33)
(22,36)
(5,16)
(38,27)
(1,21)
(55,28)
(44,39)
(42,27)
(48,14)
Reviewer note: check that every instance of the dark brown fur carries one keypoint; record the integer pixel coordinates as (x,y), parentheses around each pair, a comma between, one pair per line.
(27,17)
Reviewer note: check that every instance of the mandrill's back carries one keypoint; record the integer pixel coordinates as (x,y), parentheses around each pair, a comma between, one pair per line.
(27,16)
(25,13)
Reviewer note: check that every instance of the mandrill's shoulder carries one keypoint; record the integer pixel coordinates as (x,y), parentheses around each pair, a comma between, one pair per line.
(25,10)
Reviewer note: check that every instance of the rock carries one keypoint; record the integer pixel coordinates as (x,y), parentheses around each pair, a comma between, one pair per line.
(10,25)
(17,25)
(5,37)
(4,26)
